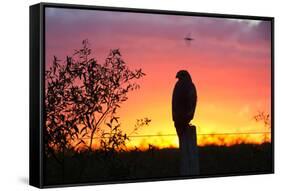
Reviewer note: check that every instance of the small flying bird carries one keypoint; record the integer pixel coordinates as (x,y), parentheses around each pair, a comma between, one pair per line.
(188,39)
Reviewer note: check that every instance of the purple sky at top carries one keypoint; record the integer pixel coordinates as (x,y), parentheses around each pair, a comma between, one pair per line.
(66,28)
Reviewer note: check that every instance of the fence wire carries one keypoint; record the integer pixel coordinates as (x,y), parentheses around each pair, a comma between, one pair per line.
(198,134)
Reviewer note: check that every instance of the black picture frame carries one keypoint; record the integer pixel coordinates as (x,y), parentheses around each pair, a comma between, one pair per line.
(36,101)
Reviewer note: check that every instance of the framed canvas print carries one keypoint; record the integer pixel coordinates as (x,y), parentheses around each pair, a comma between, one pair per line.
(127,95)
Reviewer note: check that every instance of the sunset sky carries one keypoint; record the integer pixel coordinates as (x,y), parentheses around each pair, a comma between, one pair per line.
(229,62)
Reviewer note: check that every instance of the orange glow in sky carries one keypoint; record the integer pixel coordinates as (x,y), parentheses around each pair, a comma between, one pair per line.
(229,61)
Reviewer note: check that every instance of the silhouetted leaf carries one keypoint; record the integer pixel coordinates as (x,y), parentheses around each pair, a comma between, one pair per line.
(75,128)
(83,129)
